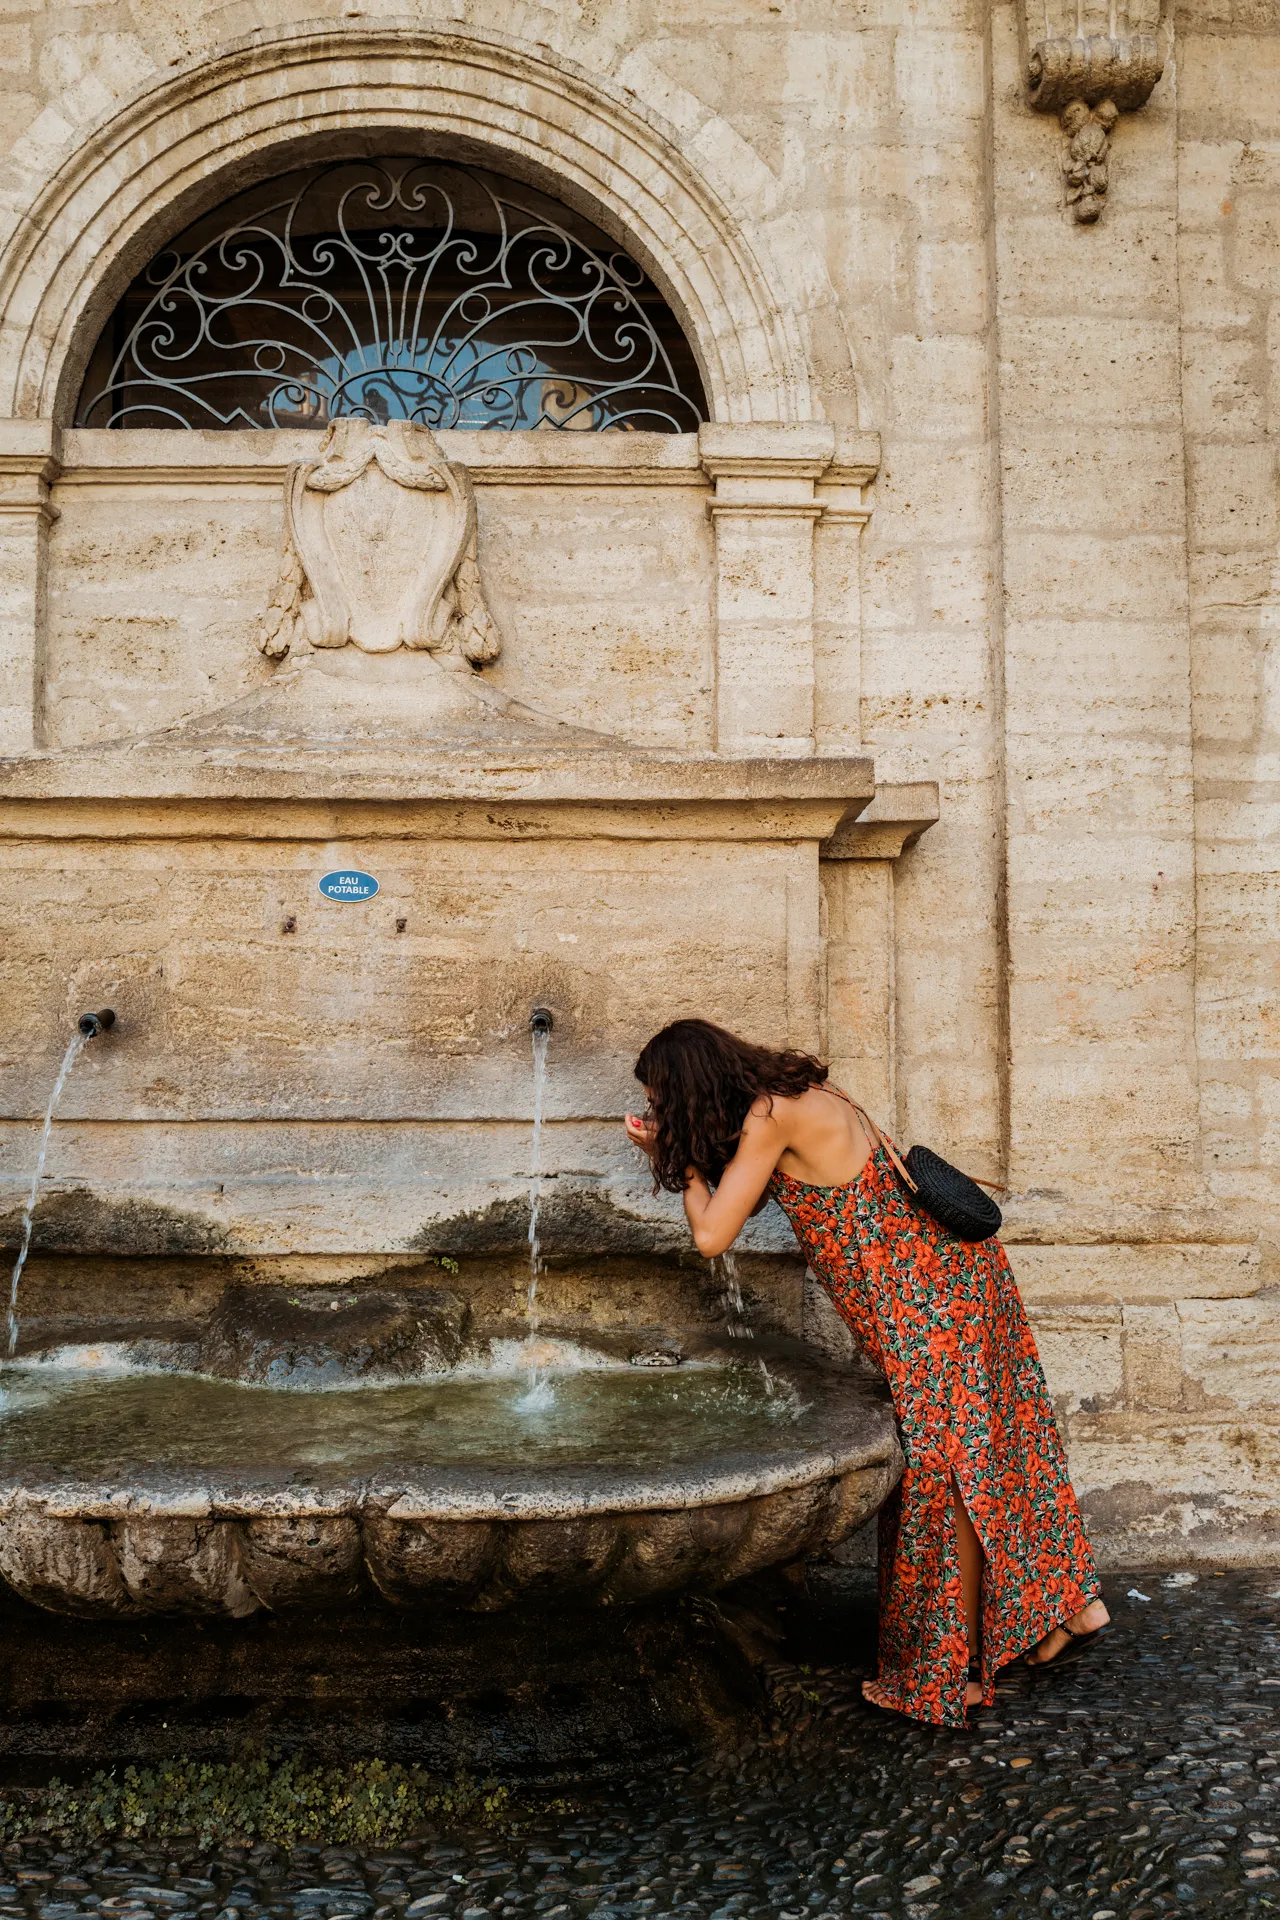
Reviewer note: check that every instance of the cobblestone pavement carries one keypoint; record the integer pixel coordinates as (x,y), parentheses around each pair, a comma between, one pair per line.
(1145,1782)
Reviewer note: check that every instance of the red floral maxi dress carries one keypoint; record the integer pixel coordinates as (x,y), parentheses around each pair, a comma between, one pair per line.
(942,1318)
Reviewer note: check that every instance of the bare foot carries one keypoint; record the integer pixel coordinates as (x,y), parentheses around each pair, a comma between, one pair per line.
(877,1696)
(1088,1620)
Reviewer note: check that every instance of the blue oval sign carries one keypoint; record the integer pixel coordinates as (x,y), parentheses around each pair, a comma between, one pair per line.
(347,884)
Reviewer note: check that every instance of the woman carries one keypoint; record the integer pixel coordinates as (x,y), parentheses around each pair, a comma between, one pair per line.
(982,1551)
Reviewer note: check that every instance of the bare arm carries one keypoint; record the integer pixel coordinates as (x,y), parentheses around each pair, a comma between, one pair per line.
(717,1219)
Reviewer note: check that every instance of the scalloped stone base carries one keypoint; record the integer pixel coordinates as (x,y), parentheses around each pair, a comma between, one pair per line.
(478,1538)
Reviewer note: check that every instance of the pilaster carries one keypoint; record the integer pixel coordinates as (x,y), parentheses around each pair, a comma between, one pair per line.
(837,574)
(1101,855)
(767,504)
(857,868)
(30,462)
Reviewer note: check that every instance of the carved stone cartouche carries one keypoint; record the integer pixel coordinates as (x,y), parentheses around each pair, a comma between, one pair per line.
(380,550)
(1089,79)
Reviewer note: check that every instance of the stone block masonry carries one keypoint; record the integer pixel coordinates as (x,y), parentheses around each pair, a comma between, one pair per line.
(988,495)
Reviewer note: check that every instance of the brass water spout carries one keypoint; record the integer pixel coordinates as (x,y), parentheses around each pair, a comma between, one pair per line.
(541,1020)
(92,1024)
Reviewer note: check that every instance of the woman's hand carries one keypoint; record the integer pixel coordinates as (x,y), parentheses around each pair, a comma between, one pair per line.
(641,1133)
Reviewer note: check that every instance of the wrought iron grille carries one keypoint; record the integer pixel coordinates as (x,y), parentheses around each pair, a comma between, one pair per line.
(393,290)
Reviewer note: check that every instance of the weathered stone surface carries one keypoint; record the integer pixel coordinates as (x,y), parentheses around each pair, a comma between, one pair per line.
(411,1559)
(987,495)
(302,1560)
(170,1562)
(62,1562)
(322,1335)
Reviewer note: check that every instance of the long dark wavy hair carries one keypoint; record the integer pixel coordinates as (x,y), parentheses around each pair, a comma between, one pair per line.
(701,1082)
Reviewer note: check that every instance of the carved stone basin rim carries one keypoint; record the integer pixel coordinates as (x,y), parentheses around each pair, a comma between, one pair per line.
(481,1538)
(461,1494)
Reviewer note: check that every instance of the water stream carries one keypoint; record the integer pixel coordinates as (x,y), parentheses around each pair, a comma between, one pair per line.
(77,1044)
(539,1394)
(737,1326)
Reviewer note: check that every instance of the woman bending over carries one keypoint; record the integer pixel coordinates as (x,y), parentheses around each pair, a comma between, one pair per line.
(982,1551)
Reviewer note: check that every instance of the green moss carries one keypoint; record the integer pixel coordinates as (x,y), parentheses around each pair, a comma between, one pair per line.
(367,1803)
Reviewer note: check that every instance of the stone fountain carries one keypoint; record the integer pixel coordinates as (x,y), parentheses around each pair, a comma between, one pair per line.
(638,1481)
(272,1331)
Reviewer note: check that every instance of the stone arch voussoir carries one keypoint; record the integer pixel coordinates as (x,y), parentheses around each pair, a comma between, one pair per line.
(187,142)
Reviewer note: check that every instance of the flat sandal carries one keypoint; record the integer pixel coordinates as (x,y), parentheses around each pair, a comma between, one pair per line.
(1076,1645)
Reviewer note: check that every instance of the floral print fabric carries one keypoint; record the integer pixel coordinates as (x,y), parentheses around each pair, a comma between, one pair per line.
(943,1319)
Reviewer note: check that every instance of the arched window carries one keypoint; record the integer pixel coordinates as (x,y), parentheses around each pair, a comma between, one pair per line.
(393,289)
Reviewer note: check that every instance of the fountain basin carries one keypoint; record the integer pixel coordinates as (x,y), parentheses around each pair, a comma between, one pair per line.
(125,1494)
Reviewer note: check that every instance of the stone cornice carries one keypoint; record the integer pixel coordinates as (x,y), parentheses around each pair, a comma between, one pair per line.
(175,457)
(156,792)
(819,454)
(894,821)
(815,472)
(814,451)
(30,462)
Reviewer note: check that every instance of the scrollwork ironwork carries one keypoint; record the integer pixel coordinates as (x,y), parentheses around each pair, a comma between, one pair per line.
(404,289)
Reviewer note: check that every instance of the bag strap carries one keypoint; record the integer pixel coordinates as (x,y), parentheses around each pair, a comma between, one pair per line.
(882,1140)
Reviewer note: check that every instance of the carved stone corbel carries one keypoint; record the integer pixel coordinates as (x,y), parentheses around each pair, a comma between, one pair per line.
(1089,61)
(380,550)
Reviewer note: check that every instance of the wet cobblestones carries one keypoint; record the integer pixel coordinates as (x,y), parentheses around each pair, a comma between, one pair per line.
(1142,1782)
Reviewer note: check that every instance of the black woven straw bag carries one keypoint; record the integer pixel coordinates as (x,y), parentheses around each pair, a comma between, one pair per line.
(955,1201)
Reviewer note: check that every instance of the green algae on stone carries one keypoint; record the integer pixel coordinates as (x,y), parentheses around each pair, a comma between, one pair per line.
(257,1798)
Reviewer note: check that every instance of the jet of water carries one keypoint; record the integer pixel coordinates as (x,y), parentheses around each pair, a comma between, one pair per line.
(541,1041)
(79,1041)
(735,1308)
(736,1323)
(539,1393)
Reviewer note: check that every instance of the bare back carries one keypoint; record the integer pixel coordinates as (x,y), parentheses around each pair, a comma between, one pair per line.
(826,1144)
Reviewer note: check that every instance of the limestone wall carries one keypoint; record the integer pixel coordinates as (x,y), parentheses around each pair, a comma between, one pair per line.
(158,573)
(1229,250)
(1009,523)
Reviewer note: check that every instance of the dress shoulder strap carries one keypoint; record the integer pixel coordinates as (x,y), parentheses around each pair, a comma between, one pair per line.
(873,1133)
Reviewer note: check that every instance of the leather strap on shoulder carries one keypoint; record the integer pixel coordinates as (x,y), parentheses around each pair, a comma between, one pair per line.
(883,1140)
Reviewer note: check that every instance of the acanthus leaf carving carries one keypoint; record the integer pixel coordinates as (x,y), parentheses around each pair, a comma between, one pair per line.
(380,551)
(1088,131)
(1088,61)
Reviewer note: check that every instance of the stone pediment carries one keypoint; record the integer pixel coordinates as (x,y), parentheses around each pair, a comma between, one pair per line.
(351,702)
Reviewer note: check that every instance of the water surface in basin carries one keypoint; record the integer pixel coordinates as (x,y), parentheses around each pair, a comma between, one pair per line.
(100,1423)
